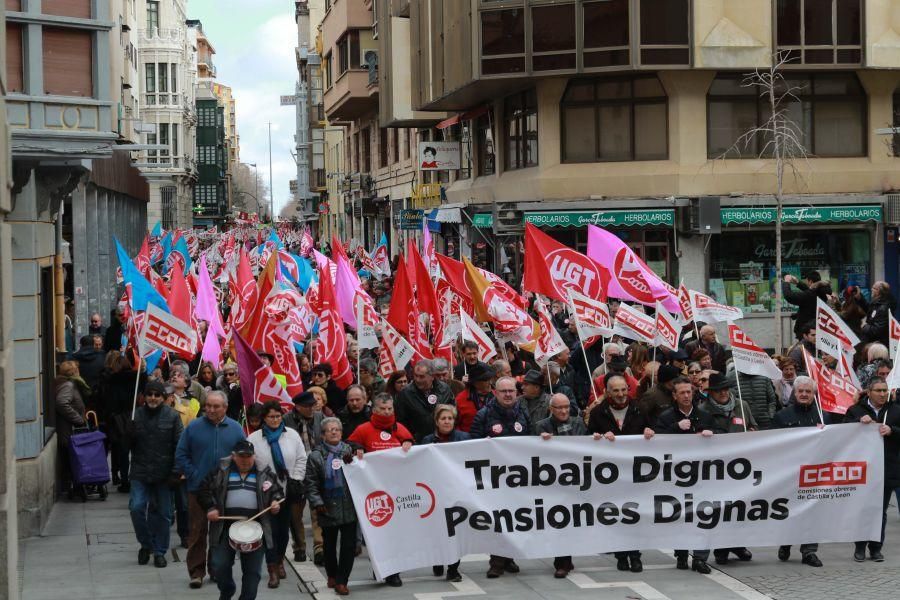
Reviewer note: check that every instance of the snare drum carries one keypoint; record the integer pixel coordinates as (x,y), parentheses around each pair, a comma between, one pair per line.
(245,536)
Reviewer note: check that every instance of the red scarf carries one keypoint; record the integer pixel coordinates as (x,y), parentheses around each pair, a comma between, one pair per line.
(383,422)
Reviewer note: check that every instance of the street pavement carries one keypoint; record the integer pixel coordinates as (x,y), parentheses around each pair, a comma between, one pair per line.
(89,551)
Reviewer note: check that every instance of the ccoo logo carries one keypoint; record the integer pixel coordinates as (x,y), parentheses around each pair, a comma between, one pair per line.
(379,508)
(631,277)
(572,270)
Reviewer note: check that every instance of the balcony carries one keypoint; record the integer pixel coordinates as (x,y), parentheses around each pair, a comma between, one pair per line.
(343,16)
(350,98)
(155,39)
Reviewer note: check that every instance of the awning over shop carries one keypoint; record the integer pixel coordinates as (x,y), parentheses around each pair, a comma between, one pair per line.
(803,214)
(449,214)
(434,225)
(603,218)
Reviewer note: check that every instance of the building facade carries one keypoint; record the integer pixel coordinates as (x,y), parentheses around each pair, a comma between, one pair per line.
(583,111)
(232,140)
(168,71)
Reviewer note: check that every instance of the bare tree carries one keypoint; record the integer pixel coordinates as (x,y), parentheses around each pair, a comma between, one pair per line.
(781,140)
(251,193)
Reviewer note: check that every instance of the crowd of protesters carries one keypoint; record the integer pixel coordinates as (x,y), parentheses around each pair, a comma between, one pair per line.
(198,452)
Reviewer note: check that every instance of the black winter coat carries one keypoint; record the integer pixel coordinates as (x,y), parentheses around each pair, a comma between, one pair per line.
(90,364)
(602,421)
(415,412)
(759,394)
(668,421)
(573,426)
(495,421)
(891,442)
(351,421)
(805,298)
(153,437)
(796,415)
(876,327)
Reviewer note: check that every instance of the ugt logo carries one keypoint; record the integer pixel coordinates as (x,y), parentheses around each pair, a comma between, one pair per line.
(379,508)
(569,269)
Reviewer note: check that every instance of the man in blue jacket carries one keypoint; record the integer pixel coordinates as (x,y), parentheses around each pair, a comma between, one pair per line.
(204,443)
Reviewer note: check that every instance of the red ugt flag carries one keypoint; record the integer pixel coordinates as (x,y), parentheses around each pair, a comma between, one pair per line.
(331,345)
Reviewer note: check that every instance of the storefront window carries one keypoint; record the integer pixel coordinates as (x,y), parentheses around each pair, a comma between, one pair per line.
(742,267)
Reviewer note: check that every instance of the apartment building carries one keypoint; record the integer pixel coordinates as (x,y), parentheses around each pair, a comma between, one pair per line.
(378,185)
(624,113)
(232,140)
(168,69)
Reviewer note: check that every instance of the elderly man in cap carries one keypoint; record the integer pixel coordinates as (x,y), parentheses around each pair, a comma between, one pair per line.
(415,403)
(534,400)
(238,488)
(307,421)
(152,437)
(658,399)
(729,415)
(479,391)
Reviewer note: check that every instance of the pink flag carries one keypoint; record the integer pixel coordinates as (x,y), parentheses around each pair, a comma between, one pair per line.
(207,308)
(631,278)
(346,287)
(258,382)
(212,349)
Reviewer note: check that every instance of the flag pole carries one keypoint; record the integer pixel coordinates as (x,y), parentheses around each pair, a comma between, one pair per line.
(587,365)
(740,399)
(462,337)
(137,380)
(358,330)
(652,373)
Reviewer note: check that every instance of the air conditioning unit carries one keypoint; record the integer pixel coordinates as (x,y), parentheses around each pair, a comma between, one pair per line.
(892,209)
(703,215)
(508,219)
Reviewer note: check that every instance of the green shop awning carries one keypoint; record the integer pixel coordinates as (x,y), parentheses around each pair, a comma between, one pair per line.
(803,214)
(602,218)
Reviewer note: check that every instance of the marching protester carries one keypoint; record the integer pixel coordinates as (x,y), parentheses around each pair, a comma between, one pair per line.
(806,340)
(369,378)
(445,431)
(478,392)
(329,497)
(396,383)
(307,422)
(70,391)
(685,418)
(758,395)
(805,297)
(881,306)
(357,410)
(504,416)
(534,399)
(191,387)
(153,438)
(415,404)
(801,411)
(469,358)
(784,387)
(873,408)
(615,416)
(659,398)
(321,377)
(204,442)
(280,450)
(238,487)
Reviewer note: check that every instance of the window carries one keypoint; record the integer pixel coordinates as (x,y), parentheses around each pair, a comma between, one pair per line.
(175,139)
(503,41)
(520,116)
(606,34)
(382,147)
(829,112)
(485,139)
(553,37)
(173,70)
(152,15)
(164,77)
(395,146)
(206,155)
(348,52)
(615,120)
(150,77)
(820,32)
(151,154)
(15,65)
(163,140)
(328,80)
(665,37)
(68,62)
(365,151)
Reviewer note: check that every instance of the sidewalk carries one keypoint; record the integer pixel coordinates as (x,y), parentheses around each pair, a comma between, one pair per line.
(88,550)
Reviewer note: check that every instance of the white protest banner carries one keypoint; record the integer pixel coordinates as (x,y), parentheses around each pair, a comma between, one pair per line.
(591,316)
(709,311)
(472,332)
(396,351)
(894,335)
(549,342)
(667,329)
(163,331)
(367,321)
(750,358)
(529,498)
(634,325)
(833,336)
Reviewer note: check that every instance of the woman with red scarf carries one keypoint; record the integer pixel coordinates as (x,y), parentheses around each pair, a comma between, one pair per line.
(478,392)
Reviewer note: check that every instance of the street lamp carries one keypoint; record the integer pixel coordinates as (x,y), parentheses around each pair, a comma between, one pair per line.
(256,177)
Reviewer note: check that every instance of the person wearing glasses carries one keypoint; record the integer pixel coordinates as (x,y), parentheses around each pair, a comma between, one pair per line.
(873,408)
(503,416)
(230,384)
(395,383)
(321,376)
(280,449)
(153,437)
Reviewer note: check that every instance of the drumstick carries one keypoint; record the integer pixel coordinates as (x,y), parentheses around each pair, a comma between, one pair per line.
(265,510)
(233,518)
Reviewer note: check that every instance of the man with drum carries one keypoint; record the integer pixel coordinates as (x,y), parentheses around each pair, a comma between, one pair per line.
(230,495)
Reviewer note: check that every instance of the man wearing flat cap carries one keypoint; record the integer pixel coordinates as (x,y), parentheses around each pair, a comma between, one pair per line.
(659,398)
(534,399)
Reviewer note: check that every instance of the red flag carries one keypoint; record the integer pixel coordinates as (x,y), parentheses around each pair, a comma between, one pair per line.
(258,382)
(395,352)
(426,296)
(836,393)
(180,297)
(404,312)
(331,345)
(142,260)
(552,268)
(455,273)
(337,249)
(244,292)
(254,328)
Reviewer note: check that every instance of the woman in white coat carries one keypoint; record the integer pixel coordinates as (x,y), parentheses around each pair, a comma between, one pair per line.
(281,449)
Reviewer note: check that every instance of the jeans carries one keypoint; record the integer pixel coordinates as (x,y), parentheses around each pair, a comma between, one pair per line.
(182,523)
(339,565)
(151,514)
(872,544)
(698,554)
(281,535)
(222,563)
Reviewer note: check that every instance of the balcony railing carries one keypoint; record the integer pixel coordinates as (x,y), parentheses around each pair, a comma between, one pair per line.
(164,36)
(162,99)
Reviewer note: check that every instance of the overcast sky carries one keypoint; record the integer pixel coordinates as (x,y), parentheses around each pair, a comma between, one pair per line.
(254,42)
